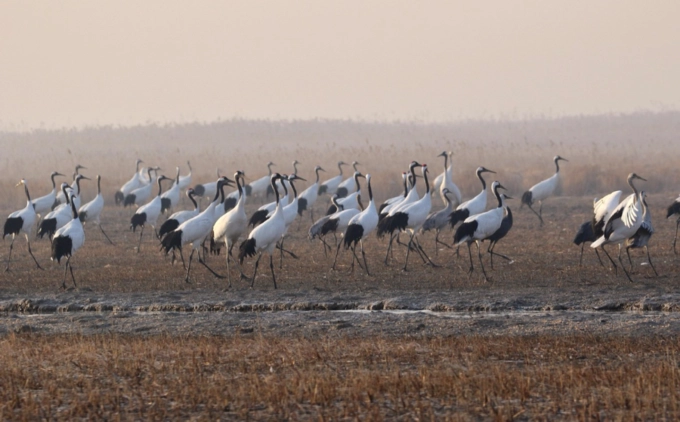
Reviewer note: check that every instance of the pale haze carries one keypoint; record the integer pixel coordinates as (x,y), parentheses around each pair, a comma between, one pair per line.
(76,63)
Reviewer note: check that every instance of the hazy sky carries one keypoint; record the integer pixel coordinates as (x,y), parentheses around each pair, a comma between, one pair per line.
(74,63)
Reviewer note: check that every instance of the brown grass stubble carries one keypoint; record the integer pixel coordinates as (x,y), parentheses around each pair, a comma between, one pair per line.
(249,377)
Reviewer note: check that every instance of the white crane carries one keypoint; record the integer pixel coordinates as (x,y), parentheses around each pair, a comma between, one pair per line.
(289,214)
(66,241)
(351,200)
(641,237)
(229,228)
(411,218)
(338,223)
(348,186)
(331,185)
(264,211)
(130,185)
(207,190)
(316,229)
(265,236)
(506,225)
(674,209)
(179,217)
(61,199)
(194,231)
(261,186)
(592,229)
(21,221)
(185,181)
(308,197)
(542,190)
(148,213)
(360,226)
(44,204)
(61,215)
(624,221)
(437,220)
(142,194)
(447,181)
(473,206)
(91,211)
(170,197)
(480,227)
(397,198)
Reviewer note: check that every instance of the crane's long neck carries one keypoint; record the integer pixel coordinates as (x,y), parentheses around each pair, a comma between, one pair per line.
(66,195)
(269,166)
(276,191)
(635,191)
(241,194)
(221,192)
(371,202)
(356,181)
(292,186)
(481,179)
(317,175)
(99,185)
(78,186)
(340,168)
(191,198)
(28,195)
(405,186)
(177,177)
(74,210)
(498,197)
(137,166)
(427,183)
(446,161)
(54,185)
(160,188)
(190,170)
(557,166)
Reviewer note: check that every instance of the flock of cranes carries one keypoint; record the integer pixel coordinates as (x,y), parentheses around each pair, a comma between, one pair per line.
(59,215)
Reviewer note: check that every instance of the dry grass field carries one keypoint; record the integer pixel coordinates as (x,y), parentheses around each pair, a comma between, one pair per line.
(283,366)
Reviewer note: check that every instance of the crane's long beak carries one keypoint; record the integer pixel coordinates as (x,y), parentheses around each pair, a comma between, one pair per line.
(86,178)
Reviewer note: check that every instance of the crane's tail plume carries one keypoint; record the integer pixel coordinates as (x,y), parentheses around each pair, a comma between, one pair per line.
(457,216)
(12,226)
(258,217)
(527,199)
(119,197)
(137,220)
(302,205)
(673,209)
(167,227)
(165,205)
(129,200)
(247,248)
(61,246)
(47,227)
(353,234)
(171,241)
(464,232)
(585,233)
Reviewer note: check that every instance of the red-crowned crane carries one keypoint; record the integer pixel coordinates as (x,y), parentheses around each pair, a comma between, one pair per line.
(348,186)
(480,227)
(592,229)
(194,231)
(262,213)
(641,237)
(91,211)
(437,220)
(447,181)
(674,209)
(261,186)
(21,221)
(170,197)
(231,226)
(542,190)
(180,216)
(360,226)
(66,241)
(185,181)
(142,194)
(472,206)
(351,200)
(207,190)
(624,221)
(61,215)
(506,225)
(148,213)
(61,199)
(264,237)
(130,185)
(330,186)
(308,196)
(44,204)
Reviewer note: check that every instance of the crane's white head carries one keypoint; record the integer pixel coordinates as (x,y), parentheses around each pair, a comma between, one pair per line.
(81,177)
(56,173)
(481,170)
(497,185)
(558,158)
(634,176)
(318,168)
(341,163)
(294,177)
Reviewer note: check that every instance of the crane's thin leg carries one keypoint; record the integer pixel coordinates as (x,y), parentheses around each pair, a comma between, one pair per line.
(9,258)
(423,253)
(481,263)
(202,261)
(408,249)
(325,245)
(257,263)
(191,257)
(649,259)
(228,254)
(616,269)
(580,259)
(598,258)
(351,268)
(537,214)
(629,260)
(105,235)
(472,267)
(355,256)
(490,251)
(271,267)
(141,232)
(281,259)
(389,247)
(623,267)
(287,251)
(28,242)
(63,281)
(493,252)
(363,255)
(337,251)
(439,242)
(70,267)
(181,255)
(675,239)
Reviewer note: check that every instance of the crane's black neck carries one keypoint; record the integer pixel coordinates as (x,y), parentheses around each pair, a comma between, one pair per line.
(27,194)
(74,210)
(446,161)
(354,165)
(189,164)
(149,173)
(334,200)
(99,184)
(177,176)
(269,166)
(292,185)
(498,196)
(220,185)
(557,166)
(481,179)
(356,181)
(285,188)
(66,195)
(427,183)
(191,198)
(160,188)
(221,192)
(238,184)
(340,168)
(317,174)
(405,185)
(54,185)
(272,181)
(78,185)
(370,191)
(295,163)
